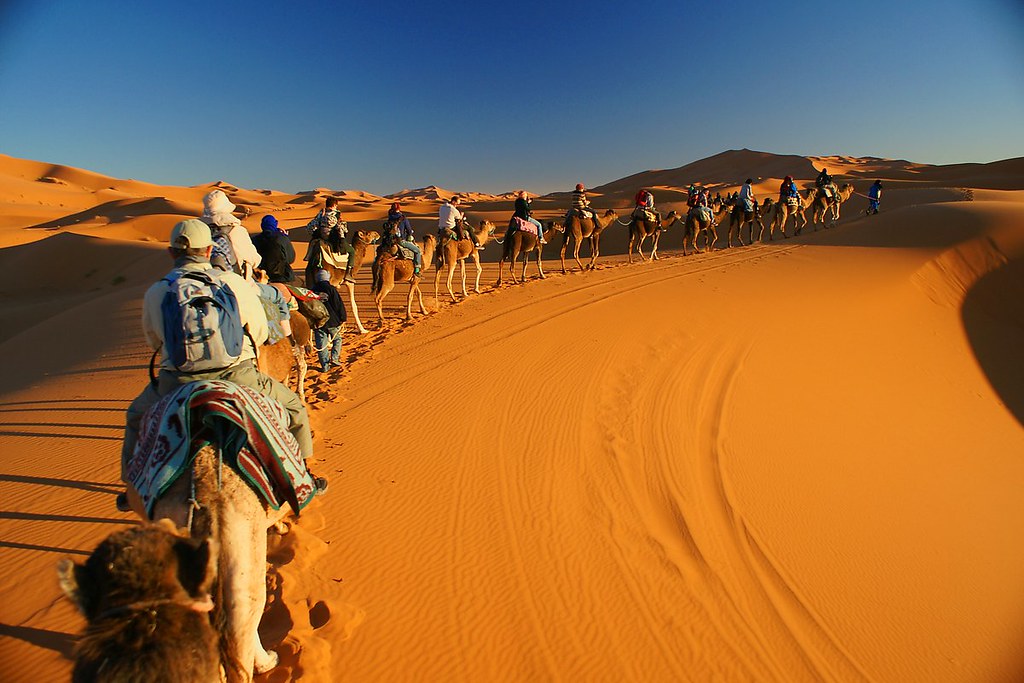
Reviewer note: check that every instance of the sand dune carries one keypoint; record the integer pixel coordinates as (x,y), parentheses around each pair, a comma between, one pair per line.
(792,461)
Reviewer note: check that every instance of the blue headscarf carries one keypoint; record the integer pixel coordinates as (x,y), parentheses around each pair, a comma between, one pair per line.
(269,224)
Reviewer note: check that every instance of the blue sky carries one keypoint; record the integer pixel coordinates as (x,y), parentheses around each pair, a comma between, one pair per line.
(487,96)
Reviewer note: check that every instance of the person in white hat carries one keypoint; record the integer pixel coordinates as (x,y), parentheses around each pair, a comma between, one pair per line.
(190,247)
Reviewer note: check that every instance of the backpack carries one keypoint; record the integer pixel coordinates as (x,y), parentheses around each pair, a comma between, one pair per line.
(202,326)
(311,306)
(222,249)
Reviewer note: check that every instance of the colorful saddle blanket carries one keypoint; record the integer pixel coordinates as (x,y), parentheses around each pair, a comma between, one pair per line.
(524,226)
(249,428)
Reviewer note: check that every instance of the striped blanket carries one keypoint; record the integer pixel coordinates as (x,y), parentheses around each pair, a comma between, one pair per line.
(248,427)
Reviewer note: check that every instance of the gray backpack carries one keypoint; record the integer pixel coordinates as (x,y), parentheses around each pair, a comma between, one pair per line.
(202,326)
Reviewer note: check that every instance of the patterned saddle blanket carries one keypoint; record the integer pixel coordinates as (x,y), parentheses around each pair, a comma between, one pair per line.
(249,428)
(518,223)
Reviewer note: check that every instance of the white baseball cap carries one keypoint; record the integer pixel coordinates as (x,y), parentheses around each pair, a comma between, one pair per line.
(191,234)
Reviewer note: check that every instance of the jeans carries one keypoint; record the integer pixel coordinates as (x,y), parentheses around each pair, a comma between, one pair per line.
(328,346)
(246,374)
(417,254)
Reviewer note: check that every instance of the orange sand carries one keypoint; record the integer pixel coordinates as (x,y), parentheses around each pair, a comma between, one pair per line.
(794,461)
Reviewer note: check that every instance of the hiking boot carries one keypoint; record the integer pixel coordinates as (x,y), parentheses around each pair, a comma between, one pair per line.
(321,485)
(122,502)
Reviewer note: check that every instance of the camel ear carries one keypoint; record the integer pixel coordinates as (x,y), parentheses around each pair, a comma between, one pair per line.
(194,570)
(70,575)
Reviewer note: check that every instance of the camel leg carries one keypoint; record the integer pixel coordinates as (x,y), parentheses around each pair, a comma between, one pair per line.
(355,309)
(243,571)
(479,271)
(501,262)
(540,264)
(654,247)
(419,294)
(437,279)
(576,254)
(301,368)
(408,300)
(595,248)
(451,274)
(385,289)
(462,273)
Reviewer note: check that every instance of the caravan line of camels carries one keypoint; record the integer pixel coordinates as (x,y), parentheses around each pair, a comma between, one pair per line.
(700,234)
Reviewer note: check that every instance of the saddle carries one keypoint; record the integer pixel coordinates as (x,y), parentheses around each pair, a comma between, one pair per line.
(519,224)
(702,213)
(642,214)
(793,201)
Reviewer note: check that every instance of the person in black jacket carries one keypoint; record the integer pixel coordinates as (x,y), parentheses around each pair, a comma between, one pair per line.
(276,250)
(328,337)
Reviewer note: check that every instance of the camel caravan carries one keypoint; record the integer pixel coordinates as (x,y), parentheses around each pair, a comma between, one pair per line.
(217,445)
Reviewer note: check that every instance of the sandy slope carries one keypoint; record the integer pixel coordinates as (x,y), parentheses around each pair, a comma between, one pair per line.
(795,461)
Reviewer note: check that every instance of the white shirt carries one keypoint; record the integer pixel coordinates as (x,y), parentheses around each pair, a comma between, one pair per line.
(447,215)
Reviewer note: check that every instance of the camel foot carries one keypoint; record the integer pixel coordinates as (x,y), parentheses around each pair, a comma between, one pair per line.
(266,661)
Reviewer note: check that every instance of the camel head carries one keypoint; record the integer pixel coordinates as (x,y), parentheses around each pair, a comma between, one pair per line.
(144,593)
(141,564)
(486,227)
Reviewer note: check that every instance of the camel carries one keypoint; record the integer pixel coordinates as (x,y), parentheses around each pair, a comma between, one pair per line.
(221,509)
(525,243)
(279,359)
(578,229)
(822,206)
(641,229)
(783,210)
(144,593)
(335,264)
(738,217)
(389,270)
(697,224)
(452,252)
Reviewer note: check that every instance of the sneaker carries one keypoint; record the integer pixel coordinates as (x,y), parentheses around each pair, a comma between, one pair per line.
(122,502)
(479,247)
(543,241)
(321,485)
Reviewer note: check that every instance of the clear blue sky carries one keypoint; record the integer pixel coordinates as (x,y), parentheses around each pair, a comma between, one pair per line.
(491,96)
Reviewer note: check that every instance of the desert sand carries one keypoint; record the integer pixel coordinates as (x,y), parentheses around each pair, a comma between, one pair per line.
(799,460)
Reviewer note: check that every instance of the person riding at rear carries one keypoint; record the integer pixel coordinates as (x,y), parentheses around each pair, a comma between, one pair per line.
(404,236)
(581,206)
(191,244)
